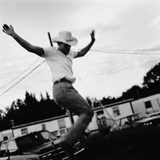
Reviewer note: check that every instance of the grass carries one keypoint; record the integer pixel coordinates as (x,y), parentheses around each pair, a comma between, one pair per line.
(128,144)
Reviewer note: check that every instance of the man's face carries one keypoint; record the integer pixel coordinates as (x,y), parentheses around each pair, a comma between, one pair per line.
(65,48)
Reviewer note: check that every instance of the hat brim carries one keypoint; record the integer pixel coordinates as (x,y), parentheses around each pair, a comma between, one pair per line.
(72,42)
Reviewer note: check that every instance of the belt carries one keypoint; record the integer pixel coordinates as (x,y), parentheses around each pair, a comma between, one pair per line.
(62,80)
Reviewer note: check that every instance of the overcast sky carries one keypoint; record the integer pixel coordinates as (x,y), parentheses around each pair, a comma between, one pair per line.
(127,44)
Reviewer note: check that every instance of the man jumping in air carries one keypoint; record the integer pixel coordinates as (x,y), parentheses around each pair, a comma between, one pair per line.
(64,94)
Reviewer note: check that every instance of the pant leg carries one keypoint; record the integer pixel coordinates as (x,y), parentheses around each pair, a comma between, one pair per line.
(67,97)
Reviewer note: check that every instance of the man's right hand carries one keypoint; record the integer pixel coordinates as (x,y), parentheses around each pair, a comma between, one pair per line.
(29,47)
(8,29)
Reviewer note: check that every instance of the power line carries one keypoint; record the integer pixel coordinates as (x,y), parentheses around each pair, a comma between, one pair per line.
(49,36)
(22,78)
(94,50)
(135,52)
(19,75)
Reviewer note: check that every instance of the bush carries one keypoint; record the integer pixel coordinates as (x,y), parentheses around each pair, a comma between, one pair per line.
(128,144)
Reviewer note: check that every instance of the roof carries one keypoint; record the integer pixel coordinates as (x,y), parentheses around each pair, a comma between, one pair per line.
(113,104)
(151,97)
(40,121)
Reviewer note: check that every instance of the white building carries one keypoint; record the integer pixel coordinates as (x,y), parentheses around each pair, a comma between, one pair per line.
(147,105)
(111,113)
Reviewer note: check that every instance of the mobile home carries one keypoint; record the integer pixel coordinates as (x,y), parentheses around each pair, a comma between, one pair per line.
(147,105)
(106,115)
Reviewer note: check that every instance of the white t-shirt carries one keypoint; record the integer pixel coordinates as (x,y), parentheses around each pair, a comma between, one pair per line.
(60,64)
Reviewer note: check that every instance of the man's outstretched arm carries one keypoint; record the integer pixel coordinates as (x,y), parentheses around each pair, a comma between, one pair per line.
(87,48)
(29,47)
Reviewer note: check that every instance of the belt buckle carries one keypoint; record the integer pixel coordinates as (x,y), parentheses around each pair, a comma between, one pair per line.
(56,82)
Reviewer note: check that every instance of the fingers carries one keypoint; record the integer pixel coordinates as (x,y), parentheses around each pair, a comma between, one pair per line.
(11,26)
(93,34)
(93,31)
(4,30)
(5,26)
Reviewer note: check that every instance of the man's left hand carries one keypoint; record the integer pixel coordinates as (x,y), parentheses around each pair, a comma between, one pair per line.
(92,34)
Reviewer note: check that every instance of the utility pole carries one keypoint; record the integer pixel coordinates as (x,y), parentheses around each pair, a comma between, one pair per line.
(71,117)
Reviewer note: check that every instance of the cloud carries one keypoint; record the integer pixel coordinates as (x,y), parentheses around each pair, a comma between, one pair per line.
(154,46)
(110,27)
(119,24)
(108,63)
(101,13)
(156,22)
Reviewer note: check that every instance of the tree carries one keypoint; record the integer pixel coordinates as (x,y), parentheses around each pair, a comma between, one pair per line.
(108,100)
(134,92)
(152,77)
(30,110)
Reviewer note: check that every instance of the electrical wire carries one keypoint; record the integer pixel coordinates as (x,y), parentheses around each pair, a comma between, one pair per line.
(94,50)
(133,52)
(101,105)
(49,36)
(19,75)
(22,78)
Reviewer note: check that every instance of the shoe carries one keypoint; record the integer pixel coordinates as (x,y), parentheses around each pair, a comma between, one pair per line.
(84,138)
(67,147)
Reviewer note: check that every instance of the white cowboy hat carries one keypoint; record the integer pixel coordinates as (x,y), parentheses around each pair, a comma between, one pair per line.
(65,37)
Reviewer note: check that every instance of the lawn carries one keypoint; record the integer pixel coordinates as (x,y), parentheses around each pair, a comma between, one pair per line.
(128,144)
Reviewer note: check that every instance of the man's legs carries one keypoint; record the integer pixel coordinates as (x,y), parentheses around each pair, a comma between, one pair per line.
(67,97)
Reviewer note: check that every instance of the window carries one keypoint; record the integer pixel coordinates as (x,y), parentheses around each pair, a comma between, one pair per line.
(25,143)
(12,147)
(158,100)
(45,135)
(3,152)
(5,137)
(116,111)
(100,114)
(61,132)
(148,106)
(24,131)
(61,123)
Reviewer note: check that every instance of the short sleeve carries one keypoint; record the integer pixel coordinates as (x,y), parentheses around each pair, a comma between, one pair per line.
(48,51)
(74,54)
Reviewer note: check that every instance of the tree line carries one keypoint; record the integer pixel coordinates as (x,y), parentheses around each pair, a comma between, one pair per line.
(30,109)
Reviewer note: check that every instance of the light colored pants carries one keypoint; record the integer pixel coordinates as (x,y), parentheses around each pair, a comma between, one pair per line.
(67,97)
